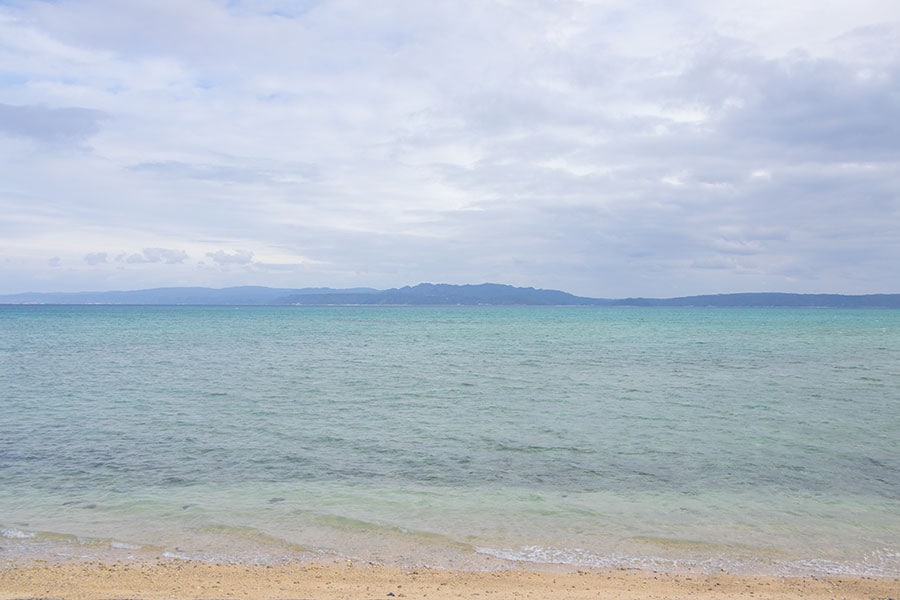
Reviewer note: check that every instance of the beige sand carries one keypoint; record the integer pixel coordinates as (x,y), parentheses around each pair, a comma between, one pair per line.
(188,580)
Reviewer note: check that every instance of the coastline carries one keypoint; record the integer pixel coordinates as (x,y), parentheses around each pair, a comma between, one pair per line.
(346,579)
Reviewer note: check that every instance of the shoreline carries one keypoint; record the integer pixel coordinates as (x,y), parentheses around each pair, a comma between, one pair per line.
(99,580)
(22,549)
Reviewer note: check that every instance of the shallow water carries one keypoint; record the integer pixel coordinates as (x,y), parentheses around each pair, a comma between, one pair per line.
(754,440)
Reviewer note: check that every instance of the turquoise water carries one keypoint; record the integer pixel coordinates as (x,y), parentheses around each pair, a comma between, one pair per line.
(750,440)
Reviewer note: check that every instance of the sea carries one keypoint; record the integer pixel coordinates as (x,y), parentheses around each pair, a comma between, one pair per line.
(753,441)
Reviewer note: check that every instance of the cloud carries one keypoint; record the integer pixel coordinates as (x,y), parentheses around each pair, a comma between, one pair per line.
(50,124)
(157,255)
(95,258)
(603,148)
(825,108)
(228,172)
(238,257)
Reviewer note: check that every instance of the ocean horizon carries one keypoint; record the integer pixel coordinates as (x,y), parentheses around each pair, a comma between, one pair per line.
(746,440)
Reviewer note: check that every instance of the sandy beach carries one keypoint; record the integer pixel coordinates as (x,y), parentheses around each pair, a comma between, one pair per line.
(344,580)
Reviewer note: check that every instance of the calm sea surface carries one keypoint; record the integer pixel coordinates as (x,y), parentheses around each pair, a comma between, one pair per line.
(751,440)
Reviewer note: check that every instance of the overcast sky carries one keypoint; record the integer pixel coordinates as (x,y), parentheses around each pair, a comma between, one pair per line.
(606,148)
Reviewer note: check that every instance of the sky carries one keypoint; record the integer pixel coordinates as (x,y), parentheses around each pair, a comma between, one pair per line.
(608,148)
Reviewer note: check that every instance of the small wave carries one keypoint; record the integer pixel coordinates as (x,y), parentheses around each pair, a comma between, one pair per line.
(15,534)
(350,525)
(882,563)
(123,546)
(539,554)
(252,535)
(577,557)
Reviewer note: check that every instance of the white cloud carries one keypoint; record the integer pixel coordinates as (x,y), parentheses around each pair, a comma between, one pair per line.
(95,258)
(157,255)
(605,148)
(238,257)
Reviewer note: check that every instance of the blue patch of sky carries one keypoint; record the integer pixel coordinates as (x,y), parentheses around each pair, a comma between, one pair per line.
(398,40)
(8,78)
(24,3)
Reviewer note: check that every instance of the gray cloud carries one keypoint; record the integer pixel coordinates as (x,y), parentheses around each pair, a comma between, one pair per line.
(823,108)
(238,257)
(50,124)
(96,258)
(157,255)
(660,149)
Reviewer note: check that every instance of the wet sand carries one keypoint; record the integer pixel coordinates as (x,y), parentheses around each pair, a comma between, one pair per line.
(344,580)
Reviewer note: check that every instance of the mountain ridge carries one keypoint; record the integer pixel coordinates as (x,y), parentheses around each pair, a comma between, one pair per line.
(430,294)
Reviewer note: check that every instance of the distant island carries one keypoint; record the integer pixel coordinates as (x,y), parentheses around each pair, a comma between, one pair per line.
(429,294)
